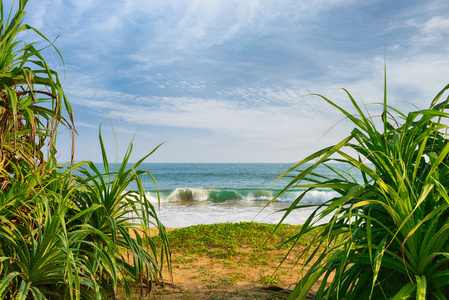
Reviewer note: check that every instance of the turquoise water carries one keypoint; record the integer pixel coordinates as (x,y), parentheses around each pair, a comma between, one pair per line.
(194,193)
(221,182)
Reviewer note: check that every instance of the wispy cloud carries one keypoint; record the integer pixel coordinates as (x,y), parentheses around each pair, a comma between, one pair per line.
(268,113)
(224,70)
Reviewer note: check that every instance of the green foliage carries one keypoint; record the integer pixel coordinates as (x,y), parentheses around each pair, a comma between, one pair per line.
(387,237)
(227,236)
(63,236)
(229,241)
(269,279)
(32,101)
(60,239)
(108,216)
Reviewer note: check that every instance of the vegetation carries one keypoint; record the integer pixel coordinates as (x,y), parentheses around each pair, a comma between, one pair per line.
(232,261)
(387,237)
(71,231)
(63,236)
(228,239)
(31,102)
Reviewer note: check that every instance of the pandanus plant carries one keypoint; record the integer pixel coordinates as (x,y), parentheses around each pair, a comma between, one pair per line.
(387,234)
(118,220)
(32,101)
(63,235)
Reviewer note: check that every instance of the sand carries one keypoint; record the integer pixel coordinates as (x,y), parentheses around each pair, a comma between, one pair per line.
(202,277)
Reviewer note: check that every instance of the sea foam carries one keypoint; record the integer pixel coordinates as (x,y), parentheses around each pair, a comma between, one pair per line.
(199,194)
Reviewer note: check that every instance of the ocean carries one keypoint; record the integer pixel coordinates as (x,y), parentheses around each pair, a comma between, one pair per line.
(206,193)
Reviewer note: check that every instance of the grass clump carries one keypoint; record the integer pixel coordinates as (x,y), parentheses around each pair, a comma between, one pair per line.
(269,279)
(389,232)
(230,240)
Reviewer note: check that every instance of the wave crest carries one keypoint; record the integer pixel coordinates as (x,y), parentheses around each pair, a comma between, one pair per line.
(200,194)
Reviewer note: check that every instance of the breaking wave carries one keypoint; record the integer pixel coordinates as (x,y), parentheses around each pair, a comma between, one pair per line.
(221,195)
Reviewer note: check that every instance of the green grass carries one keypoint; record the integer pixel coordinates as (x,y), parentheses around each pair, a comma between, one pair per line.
(200,238)
(226,241)
(246,269)
(249,256)
(269,279)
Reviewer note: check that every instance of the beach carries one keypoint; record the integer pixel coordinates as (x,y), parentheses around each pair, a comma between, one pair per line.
(216,196)
(362,214)
(221,261)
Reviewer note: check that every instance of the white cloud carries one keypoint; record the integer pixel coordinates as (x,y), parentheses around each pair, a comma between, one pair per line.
(425,75)
(109,24)
(274,116)
(190,27)
(394,47)
(87,125)
(235,68)
(436,29)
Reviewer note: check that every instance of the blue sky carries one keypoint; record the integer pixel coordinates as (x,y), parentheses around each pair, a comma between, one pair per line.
(220,81)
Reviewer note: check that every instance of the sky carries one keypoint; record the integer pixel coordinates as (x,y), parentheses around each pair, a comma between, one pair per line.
(226,80)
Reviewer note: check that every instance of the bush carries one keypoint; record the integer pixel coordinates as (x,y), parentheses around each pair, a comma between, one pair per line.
(387,237)
(63,236)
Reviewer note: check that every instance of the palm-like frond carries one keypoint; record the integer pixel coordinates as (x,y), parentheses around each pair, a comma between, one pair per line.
(31,99)
(119,214)
(387,235)
(62,236)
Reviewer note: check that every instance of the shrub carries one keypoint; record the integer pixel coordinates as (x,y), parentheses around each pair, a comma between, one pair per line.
(32,101)
(387,237)
(63,236)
